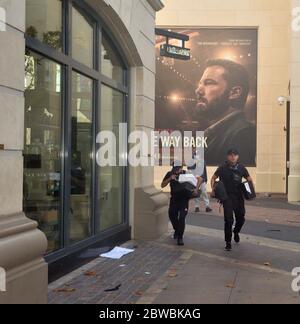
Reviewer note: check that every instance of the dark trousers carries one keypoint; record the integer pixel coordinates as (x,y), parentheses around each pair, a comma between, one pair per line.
(178,211)
(234,206)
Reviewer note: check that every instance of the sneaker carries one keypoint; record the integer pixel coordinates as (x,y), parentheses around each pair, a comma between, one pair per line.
(180,242)
(197,210)
(228,247)
(237,238)
(208,210)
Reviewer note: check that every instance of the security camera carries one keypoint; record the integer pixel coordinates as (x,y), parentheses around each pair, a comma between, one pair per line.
(282,100)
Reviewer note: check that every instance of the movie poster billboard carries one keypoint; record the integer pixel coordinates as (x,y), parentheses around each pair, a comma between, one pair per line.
(215,92)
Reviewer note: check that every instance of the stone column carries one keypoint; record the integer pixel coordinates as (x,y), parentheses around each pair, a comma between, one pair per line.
(294,178)
(150,205)
(22,245)
(150,208)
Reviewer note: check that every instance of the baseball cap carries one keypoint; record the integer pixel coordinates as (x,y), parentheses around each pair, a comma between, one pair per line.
(177,165)
(233,151)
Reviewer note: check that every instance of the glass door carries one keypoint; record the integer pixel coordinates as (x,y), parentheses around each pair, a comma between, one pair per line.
(81,158)
(111,178)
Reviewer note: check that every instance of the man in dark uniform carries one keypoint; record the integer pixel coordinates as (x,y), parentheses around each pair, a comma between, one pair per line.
(179,203)
(231,173)
(222,95)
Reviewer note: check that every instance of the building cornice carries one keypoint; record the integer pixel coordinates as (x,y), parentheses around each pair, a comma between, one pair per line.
(157,5)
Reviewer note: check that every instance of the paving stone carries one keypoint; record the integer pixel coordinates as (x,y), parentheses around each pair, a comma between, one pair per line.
(146,258)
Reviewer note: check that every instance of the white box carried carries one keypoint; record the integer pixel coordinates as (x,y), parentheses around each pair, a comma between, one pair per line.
(188,178)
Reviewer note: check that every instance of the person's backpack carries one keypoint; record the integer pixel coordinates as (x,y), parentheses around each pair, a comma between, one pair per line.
(220,192)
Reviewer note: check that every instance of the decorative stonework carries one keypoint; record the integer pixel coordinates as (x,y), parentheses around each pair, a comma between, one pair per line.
(156,4)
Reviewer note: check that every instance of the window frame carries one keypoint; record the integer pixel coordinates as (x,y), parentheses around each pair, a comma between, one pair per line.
(68,65)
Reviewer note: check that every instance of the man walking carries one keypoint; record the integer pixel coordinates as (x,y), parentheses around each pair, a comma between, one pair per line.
(179,202)
(231,173)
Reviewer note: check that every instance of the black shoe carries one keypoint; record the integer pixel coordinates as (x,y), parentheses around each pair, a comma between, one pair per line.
(237,238)
(180,242)
(228,247)
(208,210)
(175,236)
(197,210)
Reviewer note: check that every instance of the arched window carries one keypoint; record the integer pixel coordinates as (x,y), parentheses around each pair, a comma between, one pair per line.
(75,86)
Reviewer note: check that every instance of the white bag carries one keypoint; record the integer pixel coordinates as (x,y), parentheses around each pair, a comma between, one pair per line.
(190,178)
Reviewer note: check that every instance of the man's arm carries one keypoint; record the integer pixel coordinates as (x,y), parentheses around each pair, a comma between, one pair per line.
(167,180)
(248,177)
(215,177)
(213,182)
(199,183)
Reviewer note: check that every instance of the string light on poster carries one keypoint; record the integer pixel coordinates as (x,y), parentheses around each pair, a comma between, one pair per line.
(173,70)
(176,98)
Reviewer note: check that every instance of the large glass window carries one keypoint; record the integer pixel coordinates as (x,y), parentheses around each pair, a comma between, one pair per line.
(111,178)
(111,65)
(42,152)
(82,39)
(66,104)
(81,169)
(44,21)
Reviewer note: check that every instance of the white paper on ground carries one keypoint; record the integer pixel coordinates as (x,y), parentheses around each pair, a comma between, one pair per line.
(117,253)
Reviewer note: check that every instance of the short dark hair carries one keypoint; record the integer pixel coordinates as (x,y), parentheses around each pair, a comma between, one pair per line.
(235,75)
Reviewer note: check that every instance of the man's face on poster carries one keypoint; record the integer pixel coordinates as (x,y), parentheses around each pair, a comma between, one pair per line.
(213,93)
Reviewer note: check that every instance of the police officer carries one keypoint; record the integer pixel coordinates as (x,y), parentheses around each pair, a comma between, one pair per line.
(179,203)
(231,173)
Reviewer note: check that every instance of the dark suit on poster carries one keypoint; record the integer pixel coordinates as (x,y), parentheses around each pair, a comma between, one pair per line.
(232,131)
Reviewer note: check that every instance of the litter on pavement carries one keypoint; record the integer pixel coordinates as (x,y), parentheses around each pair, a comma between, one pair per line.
(117,253)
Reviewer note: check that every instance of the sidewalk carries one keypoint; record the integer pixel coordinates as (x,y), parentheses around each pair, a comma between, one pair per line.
(256,271)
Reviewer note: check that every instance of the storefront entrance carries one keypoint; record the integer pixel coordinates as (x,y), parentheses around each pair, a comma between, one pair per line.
(76,85)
